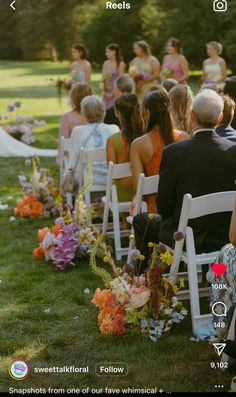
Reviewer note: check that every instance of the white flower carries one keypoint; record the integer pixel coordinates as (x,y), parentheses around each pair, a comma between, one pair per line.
(119,287)
(87,291)
(12,219)
(3,206)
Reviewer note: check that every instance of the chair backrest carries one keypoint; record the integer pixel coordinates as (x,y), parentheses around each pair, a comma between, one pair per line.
(116,171)
(146,185)
(193,208)
(65,146)
(97,154)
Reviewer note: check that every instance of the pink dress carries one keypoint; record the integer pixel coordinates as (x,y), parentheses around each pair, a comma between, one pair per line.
(176,71)
(69,120)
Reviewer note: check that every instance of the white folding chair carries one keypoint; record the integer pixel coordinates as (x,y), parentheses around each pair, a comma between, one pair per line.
(92,155)
(116,171)
(146,185)
(193,208)
(65,146)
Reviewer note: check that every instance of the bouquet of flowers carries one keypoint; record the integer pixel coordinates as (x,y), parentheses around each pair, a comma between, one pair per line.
(133,303)
(69,238)
(39,198)
(167,74)
(21,127)
(62,85)
(138,75)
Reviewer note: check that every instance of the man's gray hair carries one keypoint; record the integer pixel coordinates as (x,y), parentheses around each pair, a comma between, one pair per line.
(207,108)
(125,84)
(93,109)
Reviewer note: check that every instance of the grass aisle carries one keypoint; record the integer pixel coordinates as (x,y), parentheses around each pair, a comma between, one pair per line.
(45,316)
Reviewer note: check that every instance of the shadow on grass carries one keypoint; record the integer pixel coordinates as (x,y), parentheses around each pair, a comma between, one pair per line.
(33,92)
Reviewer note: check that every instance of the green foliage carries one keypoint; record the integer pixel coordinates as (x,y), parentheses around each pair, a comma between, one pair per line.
(46,29)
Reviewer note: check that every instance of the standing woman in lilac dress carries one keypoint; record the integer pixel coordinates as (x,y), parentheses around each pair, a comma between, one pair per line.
(175,65)
(112,68)
(80,68)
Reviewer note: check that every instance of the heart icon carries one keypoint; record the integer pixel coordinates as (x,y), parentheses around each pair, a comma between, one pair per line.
(219,269)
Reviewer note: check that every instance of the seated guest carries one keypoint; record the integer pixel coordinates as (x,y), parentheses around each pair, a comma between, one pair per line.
(128,111)
(181,101)
(92,135)
(193,166)
(146,151)
(73,118)
(123,85)
(169,83)
(232,230)
(224,129)
(230,89)
(228,296)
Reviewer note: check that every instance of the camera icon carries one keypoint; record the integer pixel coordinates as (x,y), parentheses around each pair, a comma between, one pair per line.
(220,5)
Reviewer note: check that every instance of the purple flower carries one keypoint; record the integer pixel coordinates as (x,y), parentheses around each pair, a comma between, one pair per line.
(128,268)
(50,180)
(178,236)
(84,249)
(17,104)
(59,221)
(161,248)
(10,108)
(67,242)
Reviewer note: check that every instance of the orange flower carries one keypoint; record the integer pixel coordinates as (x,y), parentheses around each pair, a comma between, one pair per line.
(38,253)
(36,210)
(104,298)
(111,320)
(57,228)
(42,233)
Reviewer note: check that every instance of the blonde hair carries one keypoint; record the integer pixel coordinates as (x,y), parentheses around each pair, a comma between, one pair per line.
(181,99)
(144,46)
(218,46)
(78,93)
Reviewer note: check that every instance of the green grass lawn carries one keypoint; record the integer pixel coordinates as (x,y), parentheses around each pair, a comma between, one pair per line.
(45,316)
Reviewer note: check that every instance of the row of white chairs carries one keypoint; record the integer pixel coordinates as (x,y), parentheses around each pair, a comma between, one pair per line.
(192,208)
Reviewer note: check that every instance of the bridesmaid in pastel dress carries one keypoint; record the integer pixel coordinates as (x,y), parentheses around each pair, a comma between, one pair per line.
(144,69)
(81,68)
(175,65)
(113,67)
(214,68)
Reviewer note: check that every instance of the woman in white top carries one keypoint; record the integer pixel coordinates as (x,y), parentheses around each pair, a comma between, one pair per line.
(92,135)
(214,68)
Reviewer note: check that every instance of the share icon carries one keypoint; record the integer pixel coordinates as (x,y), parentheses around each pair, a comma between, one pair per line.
(219,347)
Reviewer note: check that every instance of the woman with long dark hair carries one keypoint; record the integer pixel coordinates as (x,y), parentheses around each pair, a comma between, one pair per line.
(146,151)
(113,67)
(128,111)
(175,65)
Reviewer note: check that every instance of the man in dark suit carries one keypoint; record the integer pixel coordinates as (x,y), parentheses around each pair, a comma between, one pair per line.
(123,85)
(204,164)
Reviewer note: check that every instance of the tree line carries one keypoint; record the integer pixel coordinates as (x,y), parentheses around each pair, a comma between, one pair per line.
(46,29)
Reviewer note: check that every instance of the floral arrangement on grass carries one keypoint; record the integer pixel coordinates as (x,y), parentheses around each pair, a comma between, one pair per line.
(20,127)
(134,303)
(71,237)
(39,197)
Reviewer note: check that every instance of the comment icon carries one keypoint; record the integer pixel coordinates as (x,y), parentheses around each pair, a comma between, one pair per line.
(219,309)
